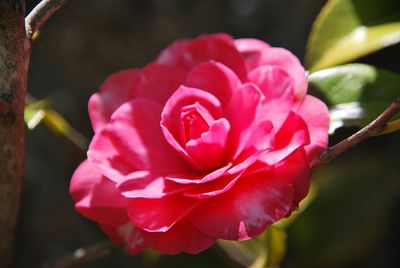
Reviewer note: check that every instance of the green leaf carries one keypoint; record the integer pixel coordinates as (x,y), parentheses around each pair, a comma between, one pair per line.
(151,256)
(244,252)
(356,93)
(348,29)
(276,245)
(266,250)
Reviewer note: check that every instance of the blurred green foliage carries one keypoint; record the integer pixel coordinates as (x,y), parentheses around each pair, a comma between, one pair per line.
(348,29)
(356,93)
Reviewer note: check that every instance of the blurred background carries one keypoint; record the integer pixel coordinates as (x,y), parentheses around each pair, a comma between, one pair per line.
(353,222)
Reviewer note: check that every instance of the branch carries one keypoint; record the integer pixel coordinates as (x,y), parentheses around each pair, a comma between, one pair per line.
(375,128)
(40,14)
(84,255)
(14,59)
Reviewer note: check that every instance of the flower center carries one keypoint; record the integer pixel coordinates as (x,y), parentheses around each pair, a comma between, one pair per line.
(194,121)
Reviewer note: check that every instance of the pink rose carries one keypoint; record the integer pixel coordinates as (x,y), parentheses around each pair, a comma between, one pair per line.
(212,140)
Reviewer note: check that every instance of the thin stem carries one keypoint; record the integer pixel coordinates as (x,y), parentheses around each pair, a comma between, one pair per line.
(375,128)
(40,14)
(85,255)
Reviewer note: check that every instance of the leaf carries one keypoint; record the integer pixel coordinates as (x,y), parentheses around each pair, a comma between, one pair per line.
(355,114)
(266,250)
(276,244)
(392,127)
(349,29)
(244,252)
(151,256)
(356,93)
(37,112)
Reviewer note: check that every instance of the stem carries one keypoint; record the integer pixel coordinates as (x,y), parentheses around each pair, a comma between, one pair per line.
(40,14)
(14,59)
(377,127)
(84,255)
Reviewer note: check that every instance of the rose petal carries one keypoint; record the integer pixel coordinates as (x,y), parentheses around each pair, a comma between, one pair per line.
(172,53)
(178,147)
(113,92)
(254,202)
(217,47)
(160,214)
(208,151)
(183,96)
(96,197)
(222,83)
(316,114)
(133,141)
(286,60)
(105,156)
(157,82)
(243,120)
(112,232)
(273,81)
(128,234)
(292,135)
(198,177)
(183,237)
(301,184)
(207,48)
(244,163)
(147,185)
(249,46)
(194,121)
(213,188)
(215,78)
(277,87)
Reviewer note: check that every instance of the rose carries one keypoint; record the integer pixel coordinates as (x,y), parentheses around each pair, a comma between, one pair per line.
(212,140)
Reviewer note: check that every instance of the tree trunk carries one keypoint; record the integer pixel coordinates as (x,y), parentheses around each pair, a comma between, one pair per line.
(14,58)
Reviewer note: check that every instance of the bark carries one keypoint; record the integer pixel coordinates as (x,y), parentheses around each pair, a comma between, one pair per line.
(14,58)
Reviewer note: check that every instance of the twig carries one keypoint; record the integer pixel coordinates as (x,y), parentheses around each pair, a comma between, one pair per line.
(375,128)
(40,14)
(84,255)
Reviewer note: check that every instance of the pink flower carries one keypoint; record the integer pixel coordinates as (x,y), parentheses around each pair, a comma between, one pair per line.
(212,140)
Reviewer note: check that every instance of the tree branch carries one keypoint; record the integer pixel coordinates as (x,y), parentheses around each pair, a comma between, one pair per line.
(40,14)
(84,255)
(375,128)
(14,59)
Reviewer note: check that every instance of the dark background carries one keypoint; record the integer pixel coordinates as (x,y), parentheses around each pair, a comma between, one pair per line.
(354,220)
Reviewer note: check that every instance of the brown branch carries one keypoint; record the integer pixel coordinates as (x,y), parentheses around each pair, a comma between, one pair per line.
(40,14)
(85,255)
(375,128)
(14,59)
